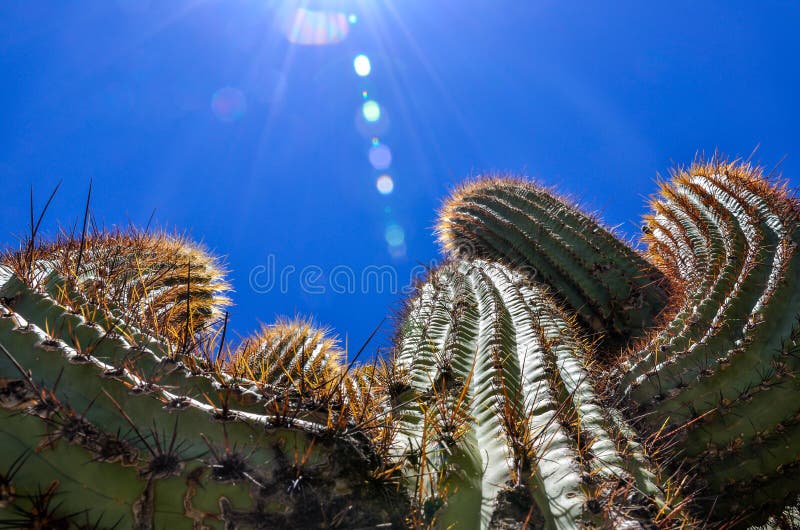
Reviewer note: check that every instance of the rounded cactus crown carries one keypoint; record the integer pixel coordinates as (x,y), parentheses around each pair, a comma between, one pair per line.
(614,290)
(289,353)
(163,283)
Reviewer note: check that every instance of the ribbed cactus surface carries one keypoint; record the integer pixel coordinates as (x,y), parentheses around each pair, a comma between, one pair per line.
(501,420)
(615,290)
(289,354)
(723,371)
(163,284)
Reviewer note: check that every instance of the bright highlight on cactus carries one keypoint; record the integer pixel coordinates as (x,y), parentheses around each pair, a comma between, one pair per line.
(545,376)
(501,417)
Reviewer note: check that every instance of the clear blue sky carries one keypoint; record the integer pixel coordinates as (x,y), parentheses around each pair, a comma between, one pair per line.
(220,116)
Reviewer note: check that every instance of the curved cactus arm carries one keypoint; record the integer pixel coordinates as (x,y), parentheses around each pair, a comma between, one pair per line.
(520,414)
(722,374)
(613,289)
(601,429)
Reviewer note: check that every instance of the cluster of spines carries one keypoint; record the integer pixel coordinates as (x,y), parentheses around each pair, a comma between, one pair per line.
(501,407)
(722,374)
(289,354)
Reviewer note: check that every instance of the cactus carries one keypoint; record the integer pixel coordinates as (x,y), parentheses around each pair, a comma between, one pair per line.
(546,375)
(110,426)
(722,373)
(289,354)
(164,284)
(615,290)
(500,415)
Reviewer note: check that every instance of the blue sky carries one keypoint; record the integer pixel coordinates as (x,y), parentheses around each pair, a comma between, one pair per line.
(221,117)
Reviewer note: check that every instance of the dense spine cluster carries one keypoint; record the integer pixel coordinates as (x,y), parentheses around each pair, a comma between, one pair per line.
(545,376)
(289,354)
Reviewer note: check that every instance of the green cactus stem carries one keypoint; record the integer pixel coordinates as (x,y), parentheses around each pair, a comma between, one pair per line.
(722,374)
(500,420)
(126,427)
(614,290)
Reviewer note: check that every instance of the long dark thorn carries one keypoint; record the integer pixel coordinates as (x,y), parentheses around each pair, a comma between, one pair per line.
(222,340)
(35,227)
(150,220)
(131,423)
(17,464)
(83,231)
(355,358)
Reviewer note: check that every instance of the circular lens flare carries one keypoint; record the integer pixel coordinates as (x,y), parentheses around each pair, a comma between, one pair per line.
(385,184)
(395,236)
(362,65)
(398,252)
(371,111)
(228,104)
(380,157)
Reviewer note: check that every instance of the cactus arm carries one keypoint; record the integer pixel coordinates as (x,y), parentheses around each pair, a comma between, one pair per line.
(722,374)
(613,288)
(108,401)
(110,345)
(534,421)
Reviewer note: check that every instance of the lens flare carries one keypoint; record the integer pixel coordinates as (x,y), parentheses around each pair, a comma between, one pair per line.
(352,18)
(228,104)
(362,65)
(395,236)
(398,252)
(385,184)
(371,111)
(314,28)
(380,157)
